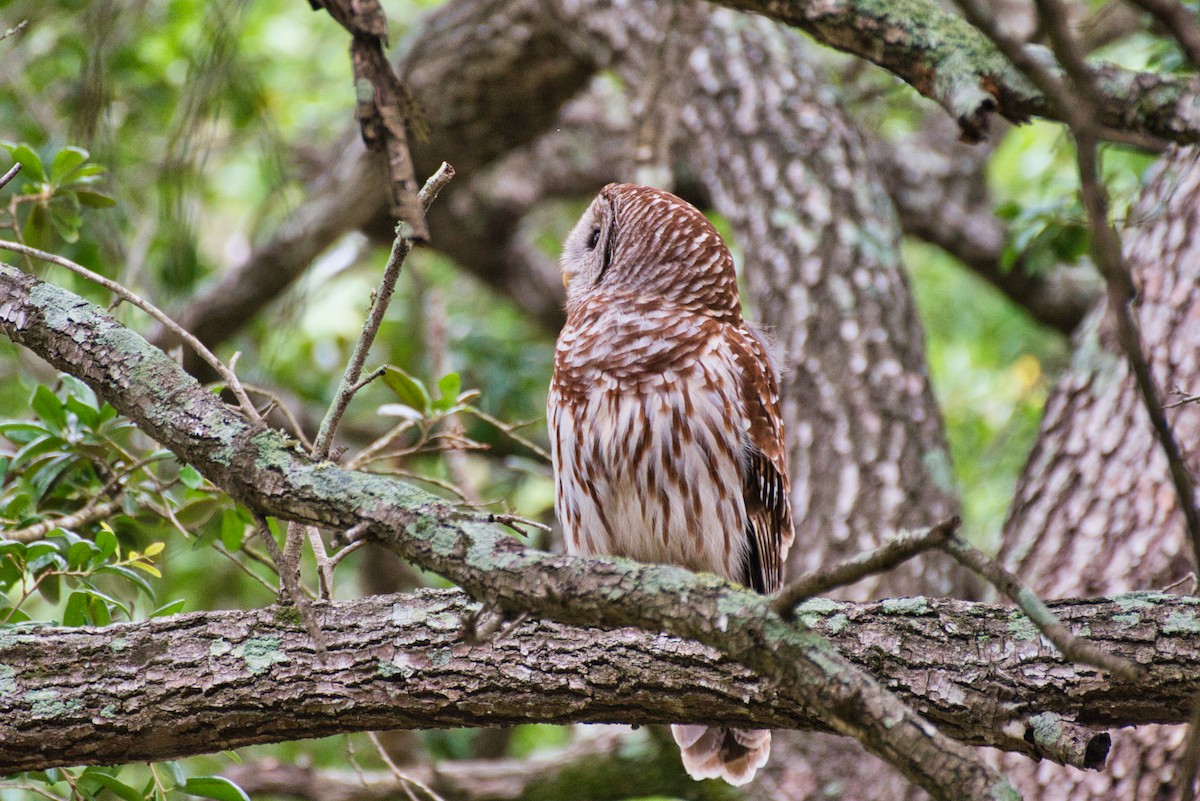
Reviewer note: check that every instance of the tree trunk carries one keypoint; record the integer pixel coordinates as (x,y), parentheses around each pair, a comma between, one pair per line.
(1095,511)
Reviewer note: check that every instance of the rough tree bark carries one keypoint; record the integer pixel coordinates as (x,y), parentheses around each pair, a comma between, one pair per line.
(221,680)
(1094,510)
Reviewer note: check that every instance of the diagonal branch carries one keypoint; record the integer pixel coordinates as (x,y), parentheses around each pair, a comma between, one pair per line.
(384,105)
(954,64)
(261,469)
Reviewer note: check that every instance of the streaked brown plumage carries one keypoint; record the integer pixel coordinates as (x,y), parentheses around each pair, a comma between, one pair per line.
(664,417)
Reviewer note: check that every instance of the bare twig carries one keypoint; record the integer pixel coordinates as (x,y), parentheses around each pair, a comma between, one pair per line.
(277,403)
(892,553)
(1072,647)
(12,171)
(204,353)
(516,521)
(384,106)
(338,556)
(20,26)
(1179,21)
(291,584)
(383,296)
(88,514)
(511,431)
(406,781)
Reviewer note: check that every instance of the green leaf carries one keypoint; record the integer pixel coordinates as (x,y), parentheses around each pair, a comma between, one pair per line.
(190,477)
(50,588)
(131,575)
(75,613)
(169,609)
(30,162)
(119,788)
(21,433)
(177,776)
(106,541)
(95,200)
(80,553)
(409,390)
(37,227)
(87,415)
(233,530)
(217,787)
(48,407)
(65,162)
(65,218)
(449,387)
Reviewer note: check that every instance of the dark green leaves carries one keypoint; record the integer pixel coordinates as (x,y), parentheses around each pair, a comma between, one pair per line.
(56,197)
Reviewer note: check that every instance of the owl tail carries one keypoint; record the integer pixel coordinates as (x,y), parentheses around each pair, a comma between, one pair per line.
(734,755)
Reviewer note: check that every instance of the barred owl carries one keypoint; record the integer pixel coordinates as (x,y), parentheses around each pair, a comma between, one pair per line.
(664,417)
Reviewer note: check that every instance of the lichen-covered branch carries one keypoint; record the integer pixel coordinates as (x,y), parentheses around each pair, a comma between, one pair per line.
(951,62)
(264,470)
(222,680)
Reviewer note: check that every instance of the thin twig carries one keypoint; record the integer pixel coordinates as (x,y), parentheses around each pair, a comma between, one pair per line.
(12,173)
(371,376)
(1074,648)
(324,565)
(405,780)
(383,296)
(290,584)
(20,26)
(510,431)
(288,414)
(81,518)
(384,109)
(891,554)
(112,286)
(516,521)
(338,556)
(221,549)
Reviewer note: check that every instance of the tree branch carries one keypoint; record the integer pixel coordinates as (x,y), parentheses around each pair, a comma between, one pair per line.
(263,469)
(952,63)
(222,680)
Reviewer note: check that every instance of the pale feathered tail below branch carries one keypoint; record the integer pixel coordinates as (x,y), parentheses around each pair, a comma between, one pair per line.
(734,755)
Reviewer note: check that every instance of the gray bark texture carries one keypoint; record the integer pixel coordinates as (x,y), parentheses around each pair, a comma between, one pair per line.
(220,680)
(1095,511)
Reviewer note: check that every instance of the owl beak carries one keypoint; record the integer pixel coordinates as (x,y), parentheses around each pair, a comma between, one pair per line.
(566,278)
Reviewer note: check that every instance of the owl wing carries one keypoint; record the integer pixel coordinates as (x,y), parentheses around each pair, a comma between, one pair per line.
(765,481)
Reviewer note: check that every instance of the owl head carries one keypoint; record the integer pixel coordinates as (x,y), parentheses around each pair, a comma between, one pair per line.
(636,241)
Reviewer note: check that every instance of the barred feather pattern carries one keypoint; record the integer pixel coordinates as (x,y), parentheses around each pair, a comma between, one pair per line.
(664,417)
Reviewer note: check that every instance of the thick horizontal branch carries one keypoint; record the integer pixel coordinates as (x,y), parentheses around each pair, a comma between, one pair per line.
(267,472)
(221,680)
(949,61)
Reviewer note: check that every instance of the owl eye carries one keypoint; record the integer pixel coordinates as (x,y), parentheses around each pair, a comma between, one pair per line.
(593,239)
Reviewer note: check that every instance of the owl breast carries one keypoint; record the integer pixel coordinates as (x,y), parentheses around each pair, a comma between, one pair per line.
(648,432)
